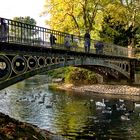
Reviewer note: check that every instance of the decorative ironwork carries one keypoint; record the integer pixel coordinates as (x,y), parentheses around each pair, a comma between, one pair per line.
(22,33)
(26,50)
(5,68)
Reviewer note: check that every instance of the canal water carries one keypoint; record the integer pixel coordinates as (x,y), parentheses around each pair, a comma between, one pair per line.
(72,115)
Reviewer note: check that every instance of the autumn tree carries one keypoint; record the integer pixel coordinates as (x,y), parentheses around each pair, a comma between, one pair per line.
(133,19)
(73,16)
(116,32)
(120,24)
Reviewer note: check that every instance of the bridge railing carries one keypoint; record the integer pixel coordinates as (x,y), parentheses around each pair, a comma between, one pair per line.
(22,33)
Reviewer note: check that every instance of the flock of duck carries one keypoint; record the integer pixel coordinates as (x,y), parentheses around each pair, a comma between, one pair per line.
(104,105)
(37,98)
(120,107)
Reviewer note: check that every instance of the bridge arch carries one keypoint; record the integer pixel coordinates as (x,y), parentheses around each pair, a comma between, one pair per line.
(104,63)
(32,65)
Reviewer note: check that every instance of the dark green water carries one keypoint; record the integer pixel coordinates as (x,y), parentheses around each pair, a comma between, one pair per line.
(73,115)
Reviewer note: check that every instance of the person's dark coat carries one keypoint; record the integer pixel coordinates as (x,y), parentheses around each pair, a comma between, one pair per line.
(52,39)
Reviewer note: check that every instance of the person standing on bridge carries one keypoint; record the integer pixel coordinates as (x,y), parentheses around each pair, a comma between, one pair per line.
(67,42)
(87,41)
(99,47)
(52,39)
(3,30)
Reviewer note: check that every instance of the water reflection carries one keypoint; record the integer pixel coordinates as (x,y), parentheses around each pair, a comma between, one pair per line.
(73,115)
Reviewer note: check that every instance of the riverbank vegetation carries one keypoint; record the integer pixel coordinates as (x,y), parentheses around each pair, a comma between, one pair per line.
(74,75)
(80,76)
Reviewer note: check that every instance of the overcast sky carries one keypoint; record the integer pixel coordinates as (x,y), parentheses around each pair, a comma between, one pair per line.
(32,8)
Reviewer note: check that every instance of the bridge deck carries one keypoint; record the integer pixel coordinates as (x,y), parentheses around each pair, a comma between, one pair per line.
(26,34)
(24,49)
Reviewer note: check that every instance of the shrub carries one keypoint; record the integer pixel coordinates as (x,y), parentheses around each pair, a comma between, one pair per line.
(80,76)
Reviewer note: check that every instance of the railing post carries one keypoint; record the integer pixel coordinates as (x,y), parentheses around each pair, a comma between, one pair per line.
(21,33)
(129,51)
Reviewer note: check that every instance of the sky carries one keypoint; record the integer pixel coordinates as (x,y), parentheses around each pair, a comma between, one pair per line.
(16,8)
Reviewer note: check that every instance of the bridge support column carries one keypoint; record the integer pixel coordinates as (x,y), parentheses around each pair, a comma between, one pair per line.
(137,78)
(132,71)
(137,72)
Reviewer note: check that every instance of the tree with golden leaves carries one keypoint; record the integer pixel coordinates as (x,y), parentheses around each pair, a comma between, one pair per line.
(74,16)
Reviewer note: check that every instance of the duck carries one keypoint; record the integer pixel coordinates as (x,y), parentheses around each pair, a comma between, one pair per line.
(100,104)
(125,118)
(122,107)
(121,100)
(91,103)
(106,111)
(91,100)
(49,105)
(42,100)
(136,104)
(5,92)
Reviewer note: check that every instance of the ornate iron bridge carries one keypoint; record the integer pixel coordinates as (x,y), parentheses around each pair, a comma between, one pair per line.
(27,50)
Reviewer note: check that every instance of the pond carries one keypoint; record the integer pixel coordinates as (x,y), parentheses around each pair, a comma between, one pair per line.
(75,116)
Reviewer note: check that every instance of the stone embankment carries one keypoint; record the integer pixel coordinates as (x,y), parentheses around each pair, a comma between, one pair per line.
(105,89)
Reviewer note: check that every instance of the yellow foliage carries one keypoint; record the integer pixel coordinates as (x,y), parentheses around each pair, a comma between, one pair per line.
(117,12)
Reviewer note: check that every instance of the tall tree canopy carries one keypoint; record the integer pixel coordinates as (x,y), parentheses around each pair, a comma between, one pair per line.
(74,16)
(121,22)
(26,19)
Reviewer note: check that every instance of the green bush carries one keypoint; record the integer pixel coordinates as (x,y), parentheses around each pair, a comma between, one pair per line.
(80,76)
(57,73)
(74,75)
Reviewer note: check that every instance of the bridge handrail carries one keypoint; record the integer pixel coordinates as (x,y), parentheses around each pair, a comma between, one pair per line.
(23,33)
